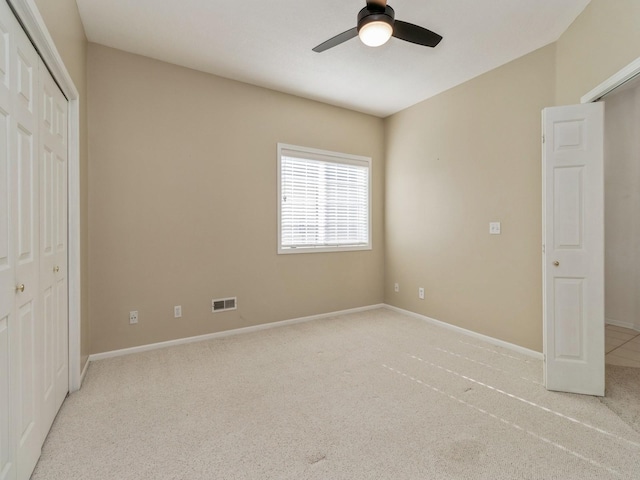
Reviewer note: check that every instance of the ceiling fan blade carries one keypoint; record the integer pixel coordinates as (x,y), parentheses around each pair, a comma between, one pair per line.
(415,34)
(337,40)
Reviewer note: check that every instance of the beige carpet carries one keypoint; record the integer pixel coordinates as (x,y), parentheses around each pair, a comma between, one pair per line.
(375,395)
(623,393)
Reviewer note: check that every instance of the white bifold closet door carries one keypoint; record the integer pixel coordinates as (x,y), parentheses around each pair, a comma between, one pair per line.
(20,270)
(33,250)
(52,134)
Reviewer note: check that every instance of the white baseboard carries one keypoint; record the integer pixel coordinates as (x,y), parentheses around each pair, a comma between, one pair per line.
(226,333)
(265,326)
(84,370)
(494,341)
(618,323)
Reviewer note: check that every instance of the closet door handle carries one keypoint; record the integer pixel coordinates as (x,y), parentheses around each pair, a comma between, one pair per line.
(556,263)
(56,269)
(20,287)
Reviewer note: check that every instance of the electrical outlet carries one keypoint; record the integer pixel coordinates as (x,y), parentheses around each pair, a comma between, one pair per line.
(421,293)
(177,311)
(494,228)
(396,287)
(133,317)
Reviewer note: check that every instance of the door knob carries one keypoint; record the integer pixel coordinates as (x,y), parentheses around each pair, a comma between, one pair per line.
(20,288)
(56,269)
(556,263)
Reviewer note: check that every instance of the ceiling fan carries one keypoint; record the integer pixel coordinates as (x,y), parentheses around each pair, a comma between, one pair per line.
(377,24)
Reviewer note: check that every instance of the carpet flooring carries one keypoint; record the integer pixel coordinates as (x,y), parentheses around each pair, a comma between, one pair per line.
(623,394)
(372,395)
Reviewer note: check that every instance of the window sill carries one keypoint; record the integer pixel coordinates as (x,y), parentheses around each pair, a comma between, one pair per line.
(298,250)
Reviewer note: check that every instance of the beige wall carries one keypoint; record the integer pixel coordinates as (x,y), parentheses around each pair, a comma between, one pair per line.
(161,149)
(622,208)
(183,203)
(472,155)
(456,162)
(64,25)
(603,39)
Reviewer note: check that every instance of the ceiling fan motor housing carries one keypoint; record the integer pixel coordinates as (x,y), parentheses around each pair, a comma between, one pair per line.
(368,15)
(377,24)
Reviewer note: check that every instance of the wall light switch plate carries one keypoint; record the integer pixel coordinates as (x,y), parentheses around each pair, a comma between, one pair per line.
(396,287)
(494,228)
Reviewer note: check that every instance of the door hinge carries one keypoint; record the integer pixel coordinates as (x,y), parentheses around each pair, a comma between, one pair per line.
(543,139)
(543,248)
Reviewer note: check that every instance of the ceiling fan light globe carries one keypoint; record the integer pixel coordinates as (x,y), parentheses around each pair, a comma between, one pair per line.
(374,34)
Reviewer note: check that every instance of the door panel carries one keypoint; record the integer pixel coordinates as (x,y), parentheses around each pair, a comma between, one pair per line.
(60,198)
(33,250)
(573,268)
(27,63)
(53,243)
(26,193)
(60,222)
(6,448)
(5,190)
(5,57)
(7,270)
(49,324)
(61,355)
(47,259)
(28,446)
(568,192)
(27,383)
(46,205)
(62,118)
(28,365)
(569,318)
(7,258)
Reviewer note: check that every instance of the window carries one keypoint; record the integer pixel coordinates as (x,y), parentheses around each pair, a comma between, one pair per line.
(323,201)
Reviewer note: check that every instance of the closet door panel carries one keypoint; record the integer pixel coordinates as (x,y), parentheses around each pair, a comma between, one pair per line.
(6,438)
(7,273)
(53,244)
(61,225)
(33,250)
(28,370)
(47,255)
(28,344)
(7,259)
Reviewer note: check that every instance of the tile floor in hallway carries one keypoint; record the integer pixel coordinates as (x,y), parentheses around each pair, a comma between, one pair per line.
(622,346)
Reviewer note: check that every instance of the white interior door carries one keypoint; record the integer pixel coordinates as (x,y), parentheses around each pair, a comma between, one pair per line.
(33,250)
(26,225)
(573,262)
(60,145)
(7,270)
(53,245)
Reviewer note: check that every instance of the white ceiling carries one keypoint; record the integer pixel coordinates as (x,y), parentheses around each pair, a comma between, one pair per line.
(268,43)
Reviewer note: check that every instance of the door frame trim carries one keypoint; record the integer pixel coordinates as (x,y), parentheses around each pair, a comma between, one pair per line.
(29,16)
(623,76)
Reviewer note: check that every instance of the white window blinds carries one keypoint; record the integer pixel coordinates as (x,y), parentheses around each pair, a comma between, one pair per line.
(323,200)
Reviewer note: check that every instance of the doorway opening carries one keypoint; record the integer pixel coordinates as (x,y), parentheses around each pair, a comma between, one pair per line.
(622,224)
(574,233)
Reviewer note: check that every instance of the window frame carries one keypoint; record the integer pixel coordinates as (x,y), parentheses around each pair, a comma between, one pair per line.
(328,156)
